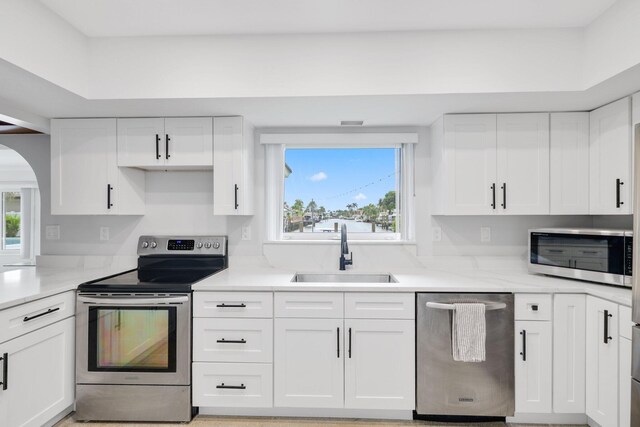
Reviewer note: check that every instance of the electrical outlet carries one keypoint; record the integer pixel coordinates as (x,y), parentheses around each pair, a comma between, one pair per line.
(104,233)
(485,234)
(52,232)
(246,232)
(436,234)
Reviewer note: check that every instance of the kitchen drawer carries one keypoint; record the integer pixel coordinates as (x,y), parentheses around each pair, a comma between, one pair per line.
(379,305)
(309,304)
(232,340)
(252,385)
(533,307)
(626,325)
(233,304)
(24,318)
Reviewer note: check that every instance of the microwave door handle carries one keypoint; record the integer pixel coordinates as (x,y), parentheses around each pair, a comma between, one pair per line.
(96,300)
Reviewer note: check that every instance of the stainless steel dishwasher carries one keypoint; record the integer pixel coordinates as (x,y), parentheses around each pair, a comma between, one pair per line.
(445,387)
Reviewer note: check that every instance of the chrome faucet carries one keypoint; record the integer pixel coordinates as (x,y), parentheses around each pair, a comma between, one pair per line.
(344,249)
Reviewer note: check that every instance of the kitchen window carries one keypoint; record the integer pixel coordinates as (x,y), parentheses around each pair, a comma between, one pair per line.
(313,189)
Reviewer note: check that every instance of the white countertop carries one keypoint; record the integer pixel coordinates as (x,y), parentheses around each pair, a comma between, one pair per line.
(483,276)
(25,284)
(464,274)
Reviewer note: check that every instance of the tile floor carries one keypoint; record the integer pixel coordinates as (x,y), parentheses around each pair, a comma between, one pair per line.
(210,421)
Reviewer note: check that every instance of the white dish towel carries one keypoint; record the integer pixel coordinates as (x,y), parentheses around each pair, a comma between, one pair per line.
(469,332)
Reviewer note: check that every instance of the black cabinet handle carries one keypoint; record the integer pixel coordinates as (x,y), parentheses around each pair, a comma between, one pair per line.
(223,305)
(5,370)
(51,310)
(109,204)
(158,146)
(606,337)
(338,340)
(236,196)
(618,184)
(504,195)
(233,387)
(349,343)
(223,341)
(523,353)
(166,147)
(493,195)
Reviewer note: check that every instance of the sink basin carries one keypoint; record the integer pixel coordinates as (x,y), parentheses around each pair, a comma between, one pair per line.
(344,278)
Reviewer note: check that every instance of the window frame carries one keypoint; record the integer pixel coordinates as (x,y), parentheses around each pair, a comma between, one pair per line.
(3,227)
(274,192)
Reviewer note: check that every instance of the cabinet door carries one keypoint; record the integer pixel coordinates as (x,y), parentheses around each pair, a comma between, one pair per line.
(523,164)
(610,159)
(372,347)
(141,142)
(83,166)
(40,379)
(602,361)
(470,163)
(569,164)
(569,353)
(309,363)
(188,141)
(533,367)
(625,382)
(227,148)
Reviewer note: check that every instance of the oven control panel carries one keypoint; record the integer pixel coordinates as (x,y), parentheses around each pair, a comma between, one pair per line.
(188,245)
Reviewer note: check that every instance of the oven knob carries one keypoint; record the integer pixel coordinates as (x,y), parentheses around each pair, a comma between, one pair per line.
(207,245)
(153,244)
(199,245)
(216,245)
(145,244)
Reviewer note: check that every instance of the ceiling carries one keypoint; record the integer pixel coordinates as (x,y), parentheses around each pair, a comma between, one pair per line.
(117,18)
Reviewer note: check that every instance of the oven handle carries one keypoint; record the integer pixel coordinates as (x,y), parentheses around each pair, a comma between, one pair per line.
(132,300)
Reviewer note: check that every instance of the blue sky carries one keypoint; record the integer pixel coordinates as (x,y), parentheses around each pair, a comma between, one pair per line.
(337,177)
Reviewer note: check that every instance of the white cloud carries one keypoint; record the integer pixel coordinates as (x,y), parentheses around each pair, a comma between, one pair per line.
(320,176)
(359,197)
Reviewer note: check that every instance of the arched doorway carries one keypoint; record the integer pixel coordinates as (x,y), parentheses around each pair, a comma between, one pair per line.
(19,210)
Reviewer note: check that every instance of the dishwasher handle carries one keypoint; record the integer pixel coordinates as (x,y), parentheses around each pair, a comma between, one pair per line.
(491,306)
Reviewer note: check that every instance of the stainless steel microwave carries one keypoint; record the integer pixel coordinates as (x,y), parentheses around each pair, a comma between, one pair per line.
(596,255)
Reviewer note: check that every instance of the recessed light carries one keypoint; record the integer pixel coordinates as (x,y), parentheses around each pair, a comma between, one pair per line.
(351,123)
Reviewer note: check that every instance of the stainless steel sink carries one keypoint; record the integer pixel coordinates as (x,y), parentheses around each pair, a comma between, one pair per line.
(344,278)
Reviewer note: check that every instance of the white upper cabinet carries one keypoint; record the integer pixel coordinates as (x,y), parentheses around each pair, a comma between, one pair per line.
(159,143)
(610,186)
(464,157)
(85,177)
(233,187)
(523,163)
(569,164)
(486,164)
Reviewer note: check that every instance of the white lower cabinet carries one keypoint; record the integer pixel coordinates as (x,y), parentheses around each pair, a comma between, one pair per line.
(40,377)
(232,385)
(533,367)
(373,347)
(309,363)
(569,333)
(625,382)
(602,361)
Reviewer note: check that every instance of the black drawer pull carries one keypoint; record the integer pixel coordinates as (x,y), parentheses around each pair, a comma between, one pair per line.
(166,147)
(51,310)
(223,341)
(607,338)
(109,204)
(223,305)
(5,370)
(338,340)
(236,196)
(233,387)
(523,353)
(349,343)
(158,146)
(493,195)
(618,184)
(504,195)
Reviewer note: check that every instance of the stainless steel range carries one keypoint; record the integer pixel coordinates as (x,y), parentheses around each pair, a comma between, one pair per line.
(133,352)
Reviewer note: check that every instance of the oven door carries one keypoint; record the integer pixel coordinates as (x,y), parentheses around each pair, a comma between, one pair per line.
(141,339)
